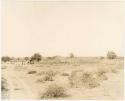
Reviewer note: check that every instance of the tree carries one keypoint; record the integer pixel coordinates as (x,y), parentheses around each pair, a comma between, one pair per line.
(37,57)
(111,55)
(71,55)
(26,58)
(5,58)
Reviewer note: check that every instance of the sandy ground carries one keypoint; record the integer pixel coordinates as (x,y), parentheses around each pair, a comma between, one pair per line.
(18,88)
(25,86)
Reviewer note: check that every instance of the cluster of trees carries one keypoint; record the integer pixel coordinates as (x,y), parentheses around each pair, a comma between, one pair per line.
(111,55)
(5,58)
(38,57)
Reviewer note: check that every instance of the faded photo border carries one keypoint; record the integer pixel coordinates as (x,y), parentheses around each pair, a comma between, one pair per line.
(1,34)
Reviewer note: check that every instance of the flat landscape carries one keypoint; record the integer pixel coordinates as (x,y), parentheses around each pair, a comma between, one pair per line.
(64,78)
(62,50)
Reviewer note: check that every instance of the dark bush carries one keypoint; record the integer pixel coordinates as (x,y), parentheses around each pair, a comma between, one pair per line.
(36,57)
(54,91)
(3,84)
(111,55)
(5,58)
(32,72)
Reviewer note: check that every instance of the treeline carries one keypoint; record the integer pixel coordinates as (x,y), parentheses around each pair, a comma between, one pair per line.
(38,57)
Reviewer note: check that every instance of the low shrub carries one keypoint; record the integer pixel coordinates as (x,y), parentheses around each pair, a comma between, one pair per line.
(48,78)
(111,55)
(88,80)
(41,73)
(4,85)
(101,71)
(32,72)
(50,73)
(53,91)
(47,75)
(84,79)
(40,80)
(65,74)
(114,71)
(74,79)
(100,74)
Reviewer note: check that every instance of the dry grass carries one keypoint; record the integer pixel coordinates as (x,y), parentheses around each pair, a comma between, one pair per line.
(41,73)
(46,76)
(89,81)
(53,91)
(84,79)
(100,74)
(50,73)
(40,80)
(82,73)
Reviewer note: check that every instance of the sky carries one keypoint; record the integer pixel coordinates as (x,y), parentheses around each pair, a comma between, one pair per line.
(59,28)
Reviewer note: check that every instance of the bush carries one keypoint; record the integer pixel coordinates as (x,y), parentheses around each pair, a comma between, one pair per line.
(26,58)
(4,85)
(5,58)
(111,55)
(74,78)
(51,73)
(89,81)
(65,74)
(45,78)
(48,75)
(41,73)
(100,74)
(71,55)
(37,57)
(53,91)
(48,78)
(40,80)
(32,72)
(84,79)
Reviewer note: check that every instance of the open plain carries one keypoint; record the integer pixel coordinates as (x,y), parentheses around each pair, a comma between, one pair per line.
(64,78)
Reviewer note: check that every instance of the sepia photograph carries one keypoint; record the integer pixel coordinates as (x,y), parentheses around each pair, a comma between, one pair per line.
(62,50)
